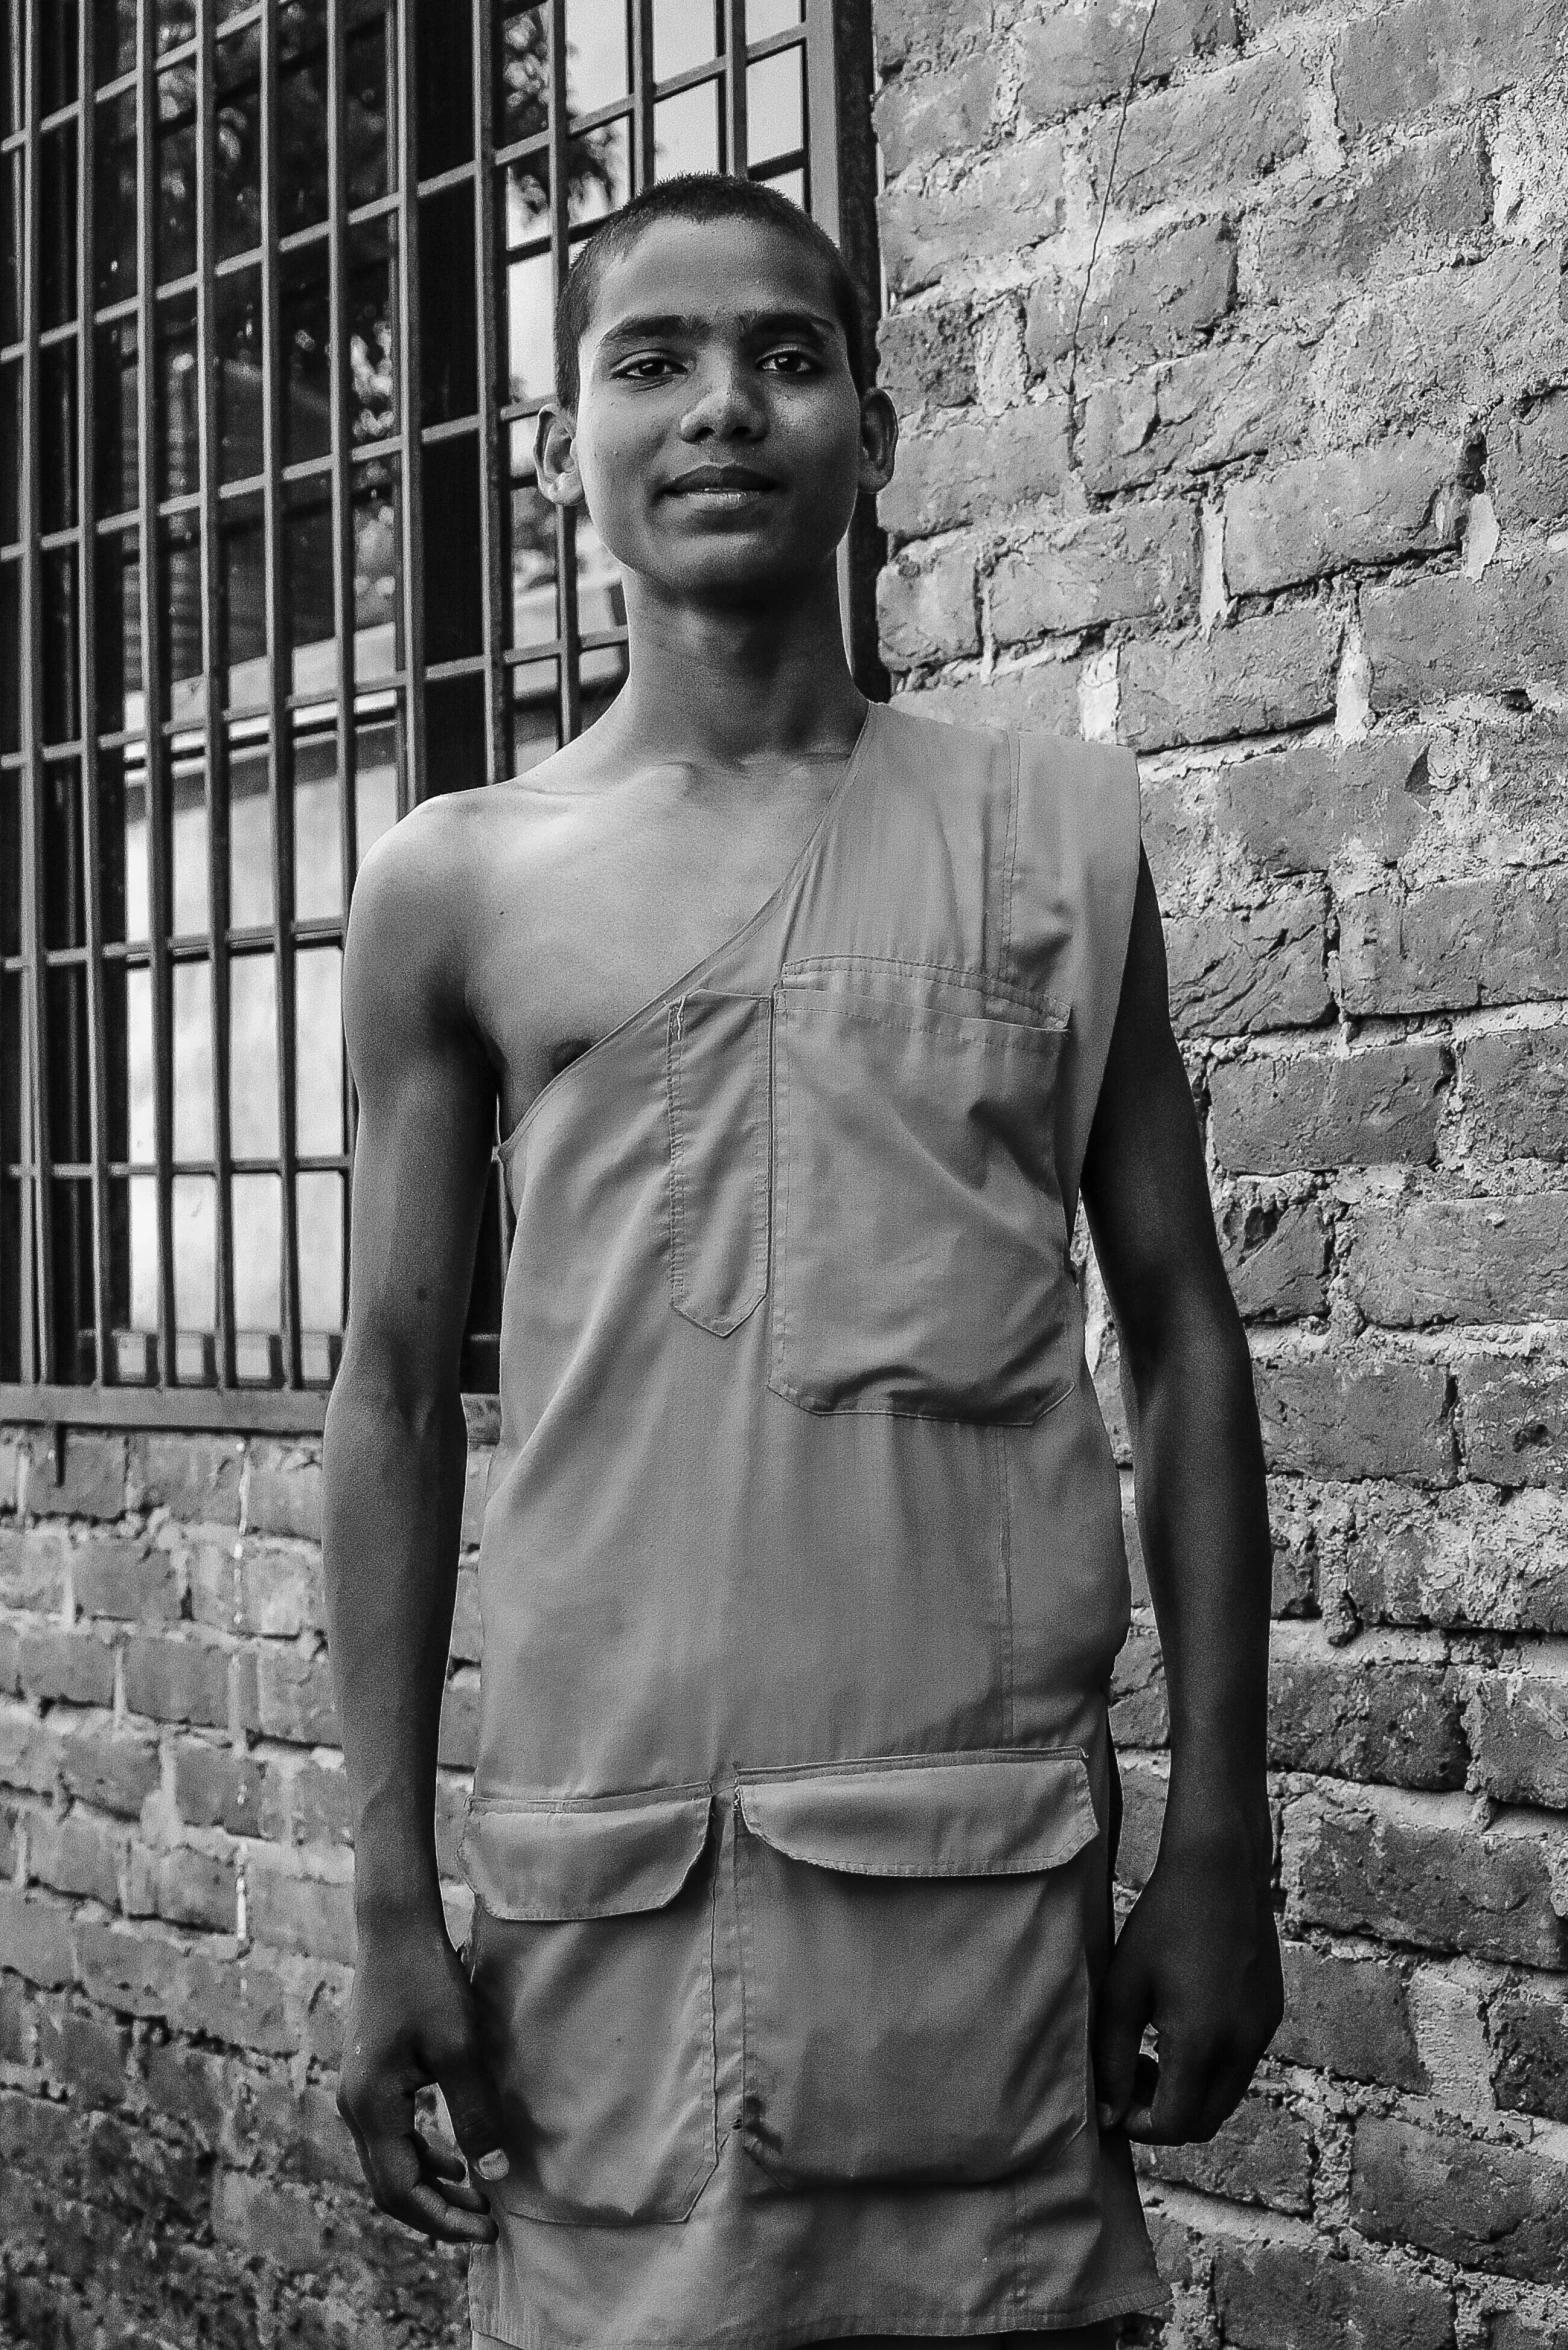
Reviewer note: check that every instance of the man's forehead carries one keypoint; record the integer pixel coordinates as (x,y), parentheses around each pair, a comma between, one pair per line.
(716,277)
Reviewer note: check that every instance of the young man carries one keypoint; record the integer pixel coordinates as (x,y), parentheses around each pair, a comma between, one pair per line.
(790,2012)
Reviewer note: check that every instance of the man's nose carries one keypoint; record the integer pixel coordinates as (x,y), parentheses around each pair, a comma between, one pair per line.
(725,404)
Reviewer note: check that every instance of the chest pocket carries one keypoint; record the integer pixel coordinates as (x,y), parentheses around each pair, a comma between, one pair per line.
(920,1250)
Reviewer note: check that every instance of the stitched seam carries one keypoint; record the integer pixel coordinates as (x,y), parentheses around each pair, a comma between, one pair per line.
(673,1038)
(1014,747)
(870,1012)
(781,1159)
(1005,1540)
(975,975)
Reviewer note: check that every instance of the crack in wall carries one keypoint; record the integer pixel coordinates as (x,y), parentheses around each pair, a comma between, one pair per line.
(1105,206)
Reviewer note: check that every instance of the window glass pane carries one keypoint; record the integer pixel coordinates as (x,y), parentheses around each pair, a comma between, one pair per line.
(10,861)
(238,140)
(453,618)
(443,91)
(307,327)
(57,225)
(302,132)
(59,646)
(114,199)
(375,783)
(526,199)
(372,325)
(179,598)
(448,329)
(141,1119)
(686,132)
(176,22)
(535,714)
(791,184)
(318,1051)
(65,1009)
(307,555)
(114,418)
(114,842)
(522,79)
(10,248)
(188,897)
(118,633)
(598,54)
(134,900)
(766,17)
(114,38)
(57,435)
(64,918)
(250,843)
(318,847)
(253,1057)
(685,33)
(378,650)
(174,231)
(320,1225)
(601,172)
(532,531)
(179,419)
(258,1253)
(195,1259)
(367,92)
(237,327)
(775,106)
(191,989)
(244,603)
(59,25)
(530,308)
(14,1075)
(10,671)
(455,733)
(10,453)
(12,69)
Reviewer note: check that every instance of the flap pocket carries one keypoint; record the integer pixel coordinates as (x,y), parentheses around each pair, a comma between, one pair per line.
(999,1814)
(584,1857)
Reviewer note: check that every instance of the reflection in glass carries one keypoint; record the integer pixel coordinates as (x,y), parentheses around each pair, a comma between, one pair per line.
(372,327)
(117,641)
(685,33)
(59,645)
(318,1051)
(522,80)
(602,177)
(535,714)
(527,198)
(258,1257)
(318,848)
(367,88)
(253,1057)
(243,602)
(179,403)
(57,254)
(179,596)
(57,435)
(176,23)
(775,106)
(237,330)
(302,132)
(307,330)
(114,38)
(191,991)
(114,199)
(250,841)
(375,783)
(174,230)
(64,913)
(598,54)
(195,1252)
(237,180)
(114,417)
(449,358)
(320,1225)
(530,310)
(188,896)
(686,132)
(377,645)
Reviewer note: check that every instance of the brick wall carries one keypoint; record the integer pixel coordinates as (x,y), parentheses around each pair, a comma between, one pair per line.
(1283,502)
(175,1909)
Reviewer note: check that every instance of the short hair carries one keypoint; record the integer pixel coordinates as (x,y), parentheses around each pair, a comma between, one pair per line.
(702,196)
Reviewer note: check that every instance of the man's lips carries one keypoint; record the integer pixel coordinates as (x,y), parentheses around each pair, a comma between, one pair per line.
(708,480)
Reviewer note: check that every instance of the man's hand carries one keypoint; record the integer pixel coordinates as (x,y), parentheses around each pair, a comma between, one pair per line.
(1198,1959)
(411,2024)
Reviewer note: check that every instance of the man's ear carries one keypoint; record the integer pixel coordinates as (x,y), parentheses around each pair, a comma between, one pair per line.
(555,456)
(878,440)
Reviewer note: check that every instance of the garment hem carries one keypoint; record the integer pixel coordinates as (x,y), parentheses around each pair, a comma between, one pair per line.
(1153,2301)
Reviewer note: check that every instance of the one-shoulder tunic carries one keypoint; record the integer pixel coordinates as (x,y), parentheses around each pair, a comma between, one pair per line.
(802,1576)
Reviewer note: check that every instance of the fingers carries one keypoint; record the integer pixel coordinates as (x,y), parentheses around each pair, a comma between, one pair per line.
(1123,2010)
(474,2107)
(413,2178)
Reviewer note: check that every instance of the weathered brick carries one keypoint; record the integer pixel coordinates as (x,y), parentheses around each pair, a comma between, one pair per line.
(1276,1259)
(1455,944)
(283,1491)
(112,1769)
(1440,53)
(1497,2208)
(1252,678)
(177,1680)
(1081,59)
(75,1666)
(928,30)
(1326,1416)
(285,1694)
(1262,2154)
(278,2223)
(1519,2328)
(1515,1415)
(1422,1869)
(183,1886)
(281,1590)
(1319,514)
(30,1749)
(12,1456)
(215,1787)
(82,1477)
(84,2052)
(1222,129)
(1144,1781)
(1301,811)
(1189,415)
(1527,2025)
(1144,301)
(1231,974)
(1038,696)
(1428,201)
(1270,2293)
(921,118)
(1460,1260)
(1475,1561)
(76,1852)
(1527,467)
(34,1567)
(1140,1707)
(195,1478)
(1449,634)
(1123,566)
(979,465)
(127,1579)
(1010,199)
(290,1911)
(926,608)
(1349,2016)
(1382,1710)
(1516,1092)
(300,2128)
(264,1999)
(35,1938)
(1364,1108)
(1517,1721)
(134,1970)
(928,357)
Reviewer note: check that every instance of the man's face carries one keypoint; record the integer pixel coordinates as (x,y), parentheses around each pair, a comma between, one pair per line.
(719,439)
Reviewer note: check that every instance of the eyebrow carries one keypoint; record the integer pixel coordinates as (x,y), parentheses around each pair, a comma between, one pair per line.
(668,325)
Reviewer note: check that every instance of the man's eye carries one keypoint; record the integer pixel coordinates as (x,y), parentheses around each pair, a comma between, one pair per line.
(791,362)
(647,369)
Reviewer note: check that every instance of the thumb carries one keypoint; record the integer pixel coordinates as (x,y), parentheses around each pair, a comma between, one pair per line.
(474,2108)
(1124,2007)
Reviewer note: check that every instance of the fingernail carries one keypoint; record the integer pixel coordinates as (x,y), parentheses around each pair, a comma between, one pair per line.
(1105,2115)
(492,2166)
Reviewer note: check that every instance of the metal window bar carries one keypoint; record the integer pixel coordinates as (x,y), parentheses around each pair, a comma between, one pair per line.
(310,655)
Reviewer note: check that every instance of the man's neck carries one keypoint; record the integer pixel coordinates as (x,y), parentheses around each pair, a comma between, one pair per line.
(732,688)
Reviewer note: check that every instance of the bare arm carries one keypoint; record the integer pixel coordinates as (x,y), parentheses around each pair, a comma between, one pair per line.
(394,1461)
(1198,1958)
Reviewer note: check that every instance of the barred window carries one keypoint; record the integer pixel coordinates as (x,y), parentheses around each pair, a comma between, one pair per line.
(276,286)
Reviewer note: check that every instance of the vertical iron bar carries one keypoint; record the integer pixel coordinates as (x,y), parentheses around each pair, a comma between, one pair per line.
(281,769)
(569,682)
(491,482)
(734,158)
(342,524)
(642,93)
(159,832)
(215,666)
(87,672)
(41,1336)
(413,581)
